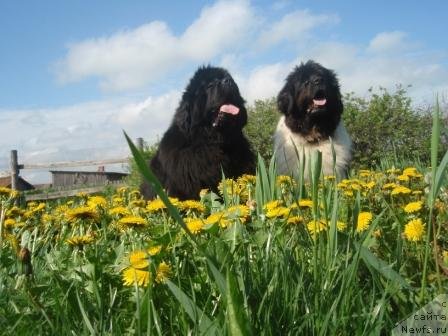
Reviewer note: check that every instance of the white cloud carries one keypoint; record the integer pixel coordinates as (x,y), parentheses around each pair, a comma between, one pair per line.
(89,131)
(387,42)
(132,58)
(293,27)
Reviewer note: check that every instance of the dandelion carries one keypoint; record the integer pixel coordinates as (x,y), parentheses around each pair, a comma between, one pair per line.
(400,190)
(82,213)
(284,181)
(195,225)
(403,178)
(80,241)
(154,250)
(316,226)
(155,205)
(215,218)
(203,193)
(163,272)
(413,207)
(329,178)
(305,203)
(229,187)
(278,212)
(190,205)
(364,219)
(412,172)
(390,186)
(272,205)
(133,276)
(97,202)
(414,230)
(393,171)
(119,211)
(5,191)
(132,221)
(341,226)
(238,211)
(294,220)
(139,259)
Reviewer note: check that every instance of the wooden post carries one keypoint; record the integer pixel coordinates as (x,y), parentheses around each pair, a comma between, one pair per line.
(14,166)
(140,144)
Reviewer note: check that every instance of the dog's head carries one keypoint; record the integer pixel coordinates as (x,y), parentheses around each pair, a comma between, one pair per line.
(311,101)
(211,100)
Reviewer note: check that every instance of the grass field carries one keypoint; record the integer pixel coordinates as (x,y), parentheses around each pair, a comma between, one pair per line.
(268,256)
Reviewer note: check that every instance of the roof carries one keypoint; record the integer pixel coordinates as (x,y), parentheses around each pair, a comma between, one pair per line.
(87,172)
(5,181)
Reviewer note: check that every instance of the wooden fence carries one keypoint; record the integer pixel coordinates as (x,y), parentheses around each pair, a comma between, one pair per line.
(15,169)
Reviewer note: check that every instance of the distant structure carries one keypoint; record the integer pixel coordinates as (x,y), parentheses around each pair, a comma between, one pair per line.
(62,179)
(22,185)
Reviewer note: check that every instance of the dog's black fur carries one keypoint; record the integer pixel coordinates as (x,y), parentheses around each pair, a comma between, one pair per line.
(203,142)
(295,100)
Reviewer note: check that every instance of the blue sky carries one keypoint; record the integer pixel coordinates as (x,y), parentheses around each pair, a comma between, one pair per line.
(75,73)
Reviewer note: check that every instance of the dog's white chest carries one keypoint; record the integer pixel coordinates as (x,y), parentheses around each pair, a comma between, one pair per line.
(288,144)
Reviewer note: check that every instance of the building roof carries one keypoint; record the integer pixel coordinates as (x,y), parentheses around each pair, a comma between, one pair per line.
(5,181)
(87,172)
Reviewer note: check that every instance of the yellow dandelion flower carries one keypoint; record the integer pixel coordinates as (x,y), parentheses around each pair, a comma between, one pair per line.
(163,272)
(305,203)
(9,223)
(133,276)
(80,241)
(82,213)
(282,212)
(155,205)
(341,226)
(329,177)
(284,180)
(272,205)
(414,230)
(230,187)
(132,221)
(295,220)
(413,207)
(117,200)
(238,211)
(369,185)
(247,179)
(364,219)
(365,173)
(119,211)
(390,186)
(14,212)
(403,178)
(214,218)
(412,172)
(400,190)
(5,191)
(191,205)
(195,225)
(154,250)
(97,201)
(417,192)
(316,226)
(139,259)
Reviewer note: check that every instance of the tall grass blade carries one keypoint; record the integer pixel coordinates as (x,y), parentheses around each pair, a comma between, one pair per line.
(237,319)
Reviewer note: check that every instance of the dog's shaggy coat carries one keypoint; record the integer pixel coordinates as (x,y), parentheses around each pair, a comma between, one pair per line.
(205,138)
(311,104)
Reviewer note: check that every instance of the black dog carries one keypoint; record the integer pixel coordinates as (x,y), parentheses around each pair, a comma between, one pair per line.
(311,104)
(205,138)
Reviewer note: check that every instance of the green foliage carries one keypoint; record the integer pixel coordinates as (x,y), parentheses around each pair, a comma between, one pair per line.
(135,178)
(387,127)
(262,121)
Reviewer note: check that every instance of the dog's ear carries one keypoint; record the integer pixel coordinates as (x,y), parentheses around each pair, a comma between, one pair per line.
(183,116)
(285,100)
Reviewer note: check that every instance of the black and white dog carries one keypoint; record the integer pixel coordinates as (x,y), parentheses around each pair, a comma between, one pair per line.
(311,104)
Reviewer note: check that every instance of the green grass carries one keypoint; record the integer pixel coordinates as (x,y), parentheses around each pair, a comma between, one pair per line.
(251,272)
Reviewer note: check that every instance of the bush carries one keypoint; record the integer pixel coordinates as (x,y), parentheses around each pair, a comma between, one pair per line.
(262,121)
(387,127)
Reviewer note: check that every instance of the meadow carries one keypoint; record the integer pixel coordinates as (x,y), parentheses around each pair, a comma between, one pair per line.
(268,255)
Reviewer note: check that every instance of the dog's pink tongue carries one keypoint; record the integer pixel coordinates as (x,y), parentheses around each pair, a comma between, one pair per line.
(229,108)
(319,102)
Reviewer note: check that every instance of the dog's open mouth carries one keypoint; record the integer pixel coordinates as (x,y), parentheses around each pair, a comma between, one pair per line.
(319,101)
(226,109)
